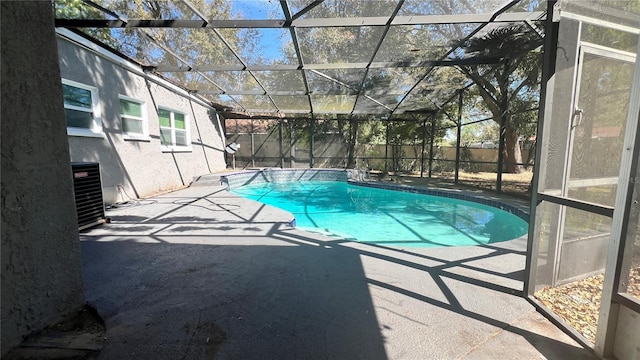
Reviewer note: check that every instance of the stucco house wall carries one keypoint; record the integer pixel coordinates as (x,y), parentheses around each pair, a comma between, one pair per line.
(133,168)
(41,264)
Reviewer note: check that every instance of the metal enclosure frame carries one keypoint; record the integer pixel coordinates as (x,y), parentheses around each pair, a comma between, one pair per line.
(619,249)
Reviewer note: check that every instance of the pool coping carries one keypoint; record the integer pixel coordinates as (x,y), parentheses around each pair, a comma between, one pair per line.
(514,206)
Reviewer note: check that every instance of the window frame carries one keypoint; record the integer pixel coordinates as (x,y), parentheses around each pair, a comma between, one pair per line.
(174,147)
(144,136)
(96,129)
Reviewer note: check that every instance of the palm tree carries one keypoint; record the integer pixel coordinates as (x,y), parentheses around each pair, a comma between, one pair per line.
(515,81)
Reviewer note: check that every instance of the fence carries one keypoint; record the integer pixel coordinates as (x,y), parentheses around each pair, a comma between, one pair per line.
(377,157)
(292,144)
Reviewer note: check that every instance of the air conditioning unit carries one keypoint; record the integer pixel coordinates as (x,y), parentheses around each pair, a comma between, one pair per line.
(87,188)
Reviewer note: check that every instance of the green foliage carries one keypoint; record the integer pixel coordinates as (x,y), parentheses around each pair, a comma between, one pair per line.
(482,131)
(466,160)
(372,132)
(77,9)
(153,46)
(515,80)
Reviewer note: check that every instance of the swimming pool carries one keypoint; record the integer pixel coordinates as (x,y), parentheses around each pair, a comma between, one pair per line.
(386,217)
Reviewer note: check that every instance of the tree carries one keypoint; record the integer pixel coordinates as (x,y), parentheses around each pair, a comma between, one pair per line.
(78,9)
(512,86)
(481,131)
(157,46)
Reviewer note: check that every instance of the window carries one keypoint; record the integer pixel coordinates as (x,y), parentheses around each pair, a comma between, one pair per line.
(82,109)
(133,115)
(174,131)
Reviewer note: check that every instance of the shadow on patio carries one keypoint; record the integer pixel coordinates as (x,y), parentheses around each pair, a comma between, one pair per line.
(201,273)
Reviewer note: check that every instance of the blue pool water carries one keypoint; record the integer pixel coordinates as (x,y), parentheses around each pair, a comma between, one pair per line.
(387,217)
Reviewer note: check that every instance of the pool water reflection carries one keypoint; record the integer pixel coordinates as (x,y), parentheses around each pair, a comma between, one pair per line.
(387,217)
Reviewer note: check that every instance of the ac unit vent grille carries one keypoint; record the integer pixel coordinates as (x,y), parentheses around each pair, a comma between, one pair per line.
(88,193)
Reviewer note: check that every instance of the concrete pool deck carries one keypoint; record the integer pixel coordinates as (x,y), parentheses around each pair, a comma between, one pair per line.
(200,273)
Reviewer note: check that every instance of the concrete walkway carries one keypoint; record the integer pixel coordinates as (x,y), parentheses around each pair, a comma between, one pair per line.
(200,274)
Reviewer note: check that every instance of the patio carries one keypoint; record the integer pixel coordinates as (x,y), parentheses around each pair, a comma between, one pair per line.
(199,273)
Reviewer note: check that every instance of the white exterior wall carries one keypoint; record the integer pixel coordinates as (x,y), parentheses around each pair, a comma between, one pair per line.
(139,168)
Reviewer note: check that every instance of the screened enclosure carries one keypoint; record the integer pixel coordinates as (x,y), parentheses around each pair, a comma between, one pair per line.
(435,89)
(585,245)
(460,146)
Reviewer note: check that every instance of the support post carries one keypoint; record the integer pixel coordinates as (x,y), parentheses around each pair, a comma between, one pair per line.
(431,138)
(253,147)
(424,135)
(386,148)
(312,130)
(292,144)
(459,137)
(504,102)
(280,144)
(546,96)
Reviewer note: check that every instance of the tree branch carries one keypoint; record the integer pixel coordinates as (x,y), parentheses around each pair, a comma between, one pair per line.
(515,92)
(490,101)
